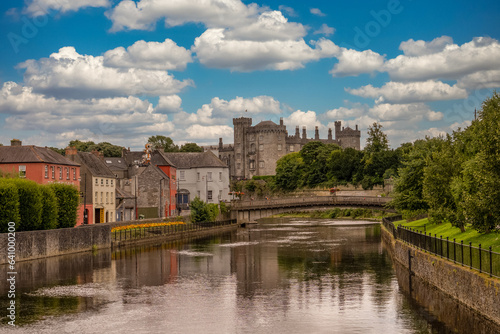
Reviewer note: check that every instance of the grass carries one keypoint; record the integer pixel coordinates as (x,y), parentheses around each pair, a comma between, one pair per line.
(357,213)
(447,230)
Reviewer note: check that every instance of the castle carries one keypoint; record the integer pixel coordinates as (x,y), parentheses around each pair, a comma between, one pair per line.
(257,148)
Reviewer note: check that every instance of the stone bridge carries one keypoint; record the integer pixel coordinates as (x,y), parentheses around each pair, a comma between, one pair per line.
(249,211)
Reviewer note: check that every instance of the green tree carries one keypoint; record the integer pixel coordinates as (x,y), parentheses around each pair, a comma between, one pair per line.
(61,151)
(344,164)
(50,208)
(68,200)
(377,140)
(107,149)
(9,205)
(82,146)
(289,172)
(191,147)
(162,142)
(203,212)
(30,204)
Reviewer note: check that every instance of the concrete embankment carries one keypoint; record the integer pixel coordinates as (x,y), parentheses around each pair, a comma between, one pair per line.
(477,291)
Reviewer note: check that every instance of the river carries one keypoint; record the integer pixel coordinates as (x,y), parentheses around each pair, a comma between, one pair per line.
(280,276)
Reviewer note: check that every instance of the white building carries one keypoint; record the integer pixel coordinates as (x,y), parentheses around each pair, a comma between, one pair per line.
(200,175)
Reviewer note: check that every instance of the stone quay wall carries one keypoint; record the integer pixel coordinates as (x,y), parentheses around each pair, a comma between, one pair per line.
(478,291)
(31,245)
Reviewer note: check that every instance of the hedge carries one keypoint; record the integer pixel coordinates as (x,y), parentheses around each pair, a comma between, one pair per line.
(9,205)
(30,204)
(50,208)
(68,200)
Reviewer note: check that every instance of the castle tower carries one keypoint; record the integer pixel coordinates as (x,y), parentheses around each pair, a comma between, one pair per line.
(330,138)
(241,126)
(338,124)
(304,133)
(297,131)
(316,133)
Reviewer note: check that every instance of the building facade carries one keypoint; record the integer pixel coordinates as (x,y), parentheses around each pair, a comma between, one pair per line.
(256,149)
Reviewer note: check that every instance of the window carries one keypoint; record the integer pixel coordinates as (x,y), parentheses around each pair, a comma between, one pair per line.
(220,195)
(220,176)
(209,176)
(22,171)
(74,173)
(53,171)
(252,148)
(292,148)
(279,138)
(107,197)
(46,171)
(261,164)
(182,175)
(252,164)
(209,194)
(67,173)
(96,182)
(238,166)
(279,147)
(96,199)
(111,182)
(261,147)
(198,194)
(238,156)
(102,182)
(102,198)
(261,137)
(107,182)
(112,195)
(198,176)
(60,173)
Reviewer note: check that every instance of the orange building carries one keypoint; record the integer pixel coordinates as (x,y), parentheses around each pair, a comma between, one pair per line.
(40,164)
(160,160)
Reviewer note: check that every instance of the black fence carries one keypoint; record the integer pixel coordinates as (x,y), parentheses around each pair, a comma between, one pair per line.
(155,231)
(484,260)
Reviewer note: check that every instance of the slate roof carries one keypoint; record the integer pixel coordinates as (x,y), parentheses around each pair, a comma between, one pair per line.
(159,158)
(195,160)
(120,193)
(95,165)
(266,124)
(32,154)
(116,163)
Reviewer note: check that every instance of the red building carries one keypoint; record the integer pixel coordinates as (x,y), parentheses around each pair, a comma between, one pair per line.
(40,164)
(160,160)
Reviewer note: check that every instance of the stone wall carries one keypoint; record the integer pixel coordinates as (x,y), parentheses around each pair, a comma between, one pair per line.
(477,291)
(39,244)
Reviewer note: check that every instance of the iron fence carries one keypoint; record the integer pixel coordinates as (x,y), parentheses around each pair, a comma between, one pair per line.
(482,259)
(154,231)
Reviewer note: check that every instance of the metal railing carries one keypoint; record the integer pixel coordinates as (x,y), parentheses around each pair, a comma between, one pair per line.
(309,201)
(155,231)
(484,260)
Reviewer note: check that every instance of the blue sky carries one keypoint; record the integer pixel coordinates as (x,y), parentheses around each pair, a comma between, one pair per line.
(121,71)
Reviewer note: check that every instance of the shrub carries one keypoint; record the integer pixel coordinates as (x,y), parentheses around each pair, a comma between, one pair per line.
(68,200)
(9,205)
(50,210)
(30,204)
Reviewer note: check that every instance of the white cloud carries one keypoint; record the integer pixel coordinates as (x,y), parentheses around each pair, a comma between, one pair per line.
(67,74)
(404,112)
(452,62)
(197,131)
(343,113)
(213,49)
(166,55)
(288,10)
(317,11)
(398,92)
(325,30)
(169,104)
(352,62)
(300,118)
(42,7)
(143,15)
(413,48)
(480,80)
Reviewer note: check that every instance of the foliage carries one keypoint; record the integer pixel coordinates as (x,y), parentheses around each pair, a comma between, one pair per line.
(223,208)
(9,205)
(67,203)
(107,149)
(203,212)
(30,204)
(289,172)
(61,151)
(50,207)
(191,147)
(162,142)
(377,140)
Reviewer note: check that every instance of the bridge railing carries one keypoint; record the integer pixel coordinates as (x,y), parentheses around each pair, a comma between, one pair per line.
(309,201)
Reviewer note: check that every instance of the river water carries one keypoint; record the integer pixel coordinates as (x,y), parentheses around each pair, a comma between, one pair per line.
(280,276)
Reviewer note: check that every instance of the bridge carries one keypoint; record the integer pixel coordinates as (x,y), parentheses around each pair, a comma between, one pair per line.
(248,211)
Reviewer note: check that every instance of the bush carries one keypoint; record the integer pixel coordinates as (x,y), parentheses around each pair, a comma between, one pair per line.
(50,210)
(68,200)
(30,204)
(9,205)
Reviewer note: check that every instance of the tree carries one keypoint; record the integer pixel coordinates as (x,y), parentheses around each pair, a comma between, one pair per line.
(289,172)
(162,142)
(344,164)
(107,149)
(377,140)
(191,147)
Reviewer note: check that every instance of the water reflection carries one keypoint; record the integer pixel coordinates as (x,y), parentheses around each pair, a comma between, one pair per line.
(282,276)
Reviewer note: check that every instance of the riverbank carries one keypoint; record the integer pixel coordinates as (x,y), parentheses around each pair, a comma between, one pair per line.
(343,213)
(475,290)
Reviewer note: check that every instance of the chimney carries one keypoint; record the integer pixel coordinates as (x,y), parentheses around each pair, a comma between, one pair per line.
(330,137)
(281,120)
(97,153)
(70,150)
(220,143)
(356,127)
(316,133)
(297,132)
(16,142)
(304,132)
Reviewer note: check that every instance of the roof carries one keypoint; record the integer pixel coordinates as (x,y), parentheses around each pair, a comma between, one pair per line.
(32,154)
(159,158)
(116,163)
(95,165)
(266,124)
(195,160)
(121,193)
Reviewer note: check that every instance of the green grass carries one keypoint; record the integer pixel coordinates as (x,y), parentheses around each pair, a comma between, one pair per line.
(447,230)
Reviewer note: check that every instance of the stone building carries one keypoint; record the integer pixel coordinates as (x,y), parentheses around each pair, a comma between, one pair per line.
(256,149)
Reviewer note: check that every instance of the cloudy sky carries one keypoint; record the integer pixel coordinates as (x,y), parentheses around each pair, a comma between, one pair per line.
(121,71)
